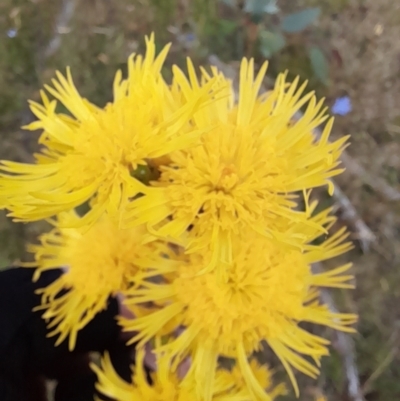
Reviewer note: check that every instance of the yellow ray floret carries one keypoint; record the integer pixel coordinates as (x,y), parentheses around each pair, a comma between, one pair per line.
(94,153)
(99,262)
(269,290)
(245,169)
(166,386)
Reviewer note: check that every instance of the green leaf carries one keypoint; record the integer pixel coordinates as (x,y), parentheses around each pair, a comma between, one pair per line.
(271,42)
(296,22)
(272,7)
(319,64)
(256,7)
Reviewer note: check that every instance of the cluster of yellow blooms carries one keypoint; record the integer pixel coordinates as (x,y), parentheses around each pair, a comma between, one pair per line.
(217,245)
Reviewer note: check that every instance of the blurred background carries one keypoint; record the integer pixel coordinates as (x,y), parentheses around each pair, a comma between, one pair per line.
(349,50)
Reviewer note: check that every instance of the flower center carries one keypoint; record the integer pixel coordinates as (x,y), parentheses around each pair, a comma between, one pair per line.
(228,179)
(254,303)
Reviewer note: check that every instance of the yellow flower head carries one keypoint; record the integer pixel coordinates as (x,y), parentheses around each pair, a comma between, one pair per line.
(166,385)
(99,263)
(243,172)
(263,375)
(269,290)
(94,153)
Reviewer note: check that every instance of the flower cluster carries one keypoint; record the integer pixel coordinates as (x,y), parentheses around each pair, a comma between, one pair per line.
(166,385)
(217,245)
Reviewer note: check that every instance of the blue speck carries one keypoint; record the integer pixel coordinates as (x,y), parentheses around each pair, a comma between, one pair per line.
(190,37)
(12,33)
(342,106)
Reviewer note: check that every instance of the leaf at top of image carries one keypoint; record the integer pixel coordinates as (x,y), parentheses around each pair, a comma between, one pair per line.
(298,21)
(261,6)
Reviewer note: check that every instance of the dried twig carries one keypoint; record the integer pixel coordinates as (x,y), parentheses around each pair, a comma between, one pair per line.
(64,17)
(343,344)
(379,185)
(349,213)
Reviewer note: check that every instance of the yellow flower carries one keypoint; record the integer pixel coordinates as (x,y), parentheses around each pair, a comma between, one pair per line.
(269,290)
(167,386)
(95,153)
(244,171)
(99,263)
(263,375)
